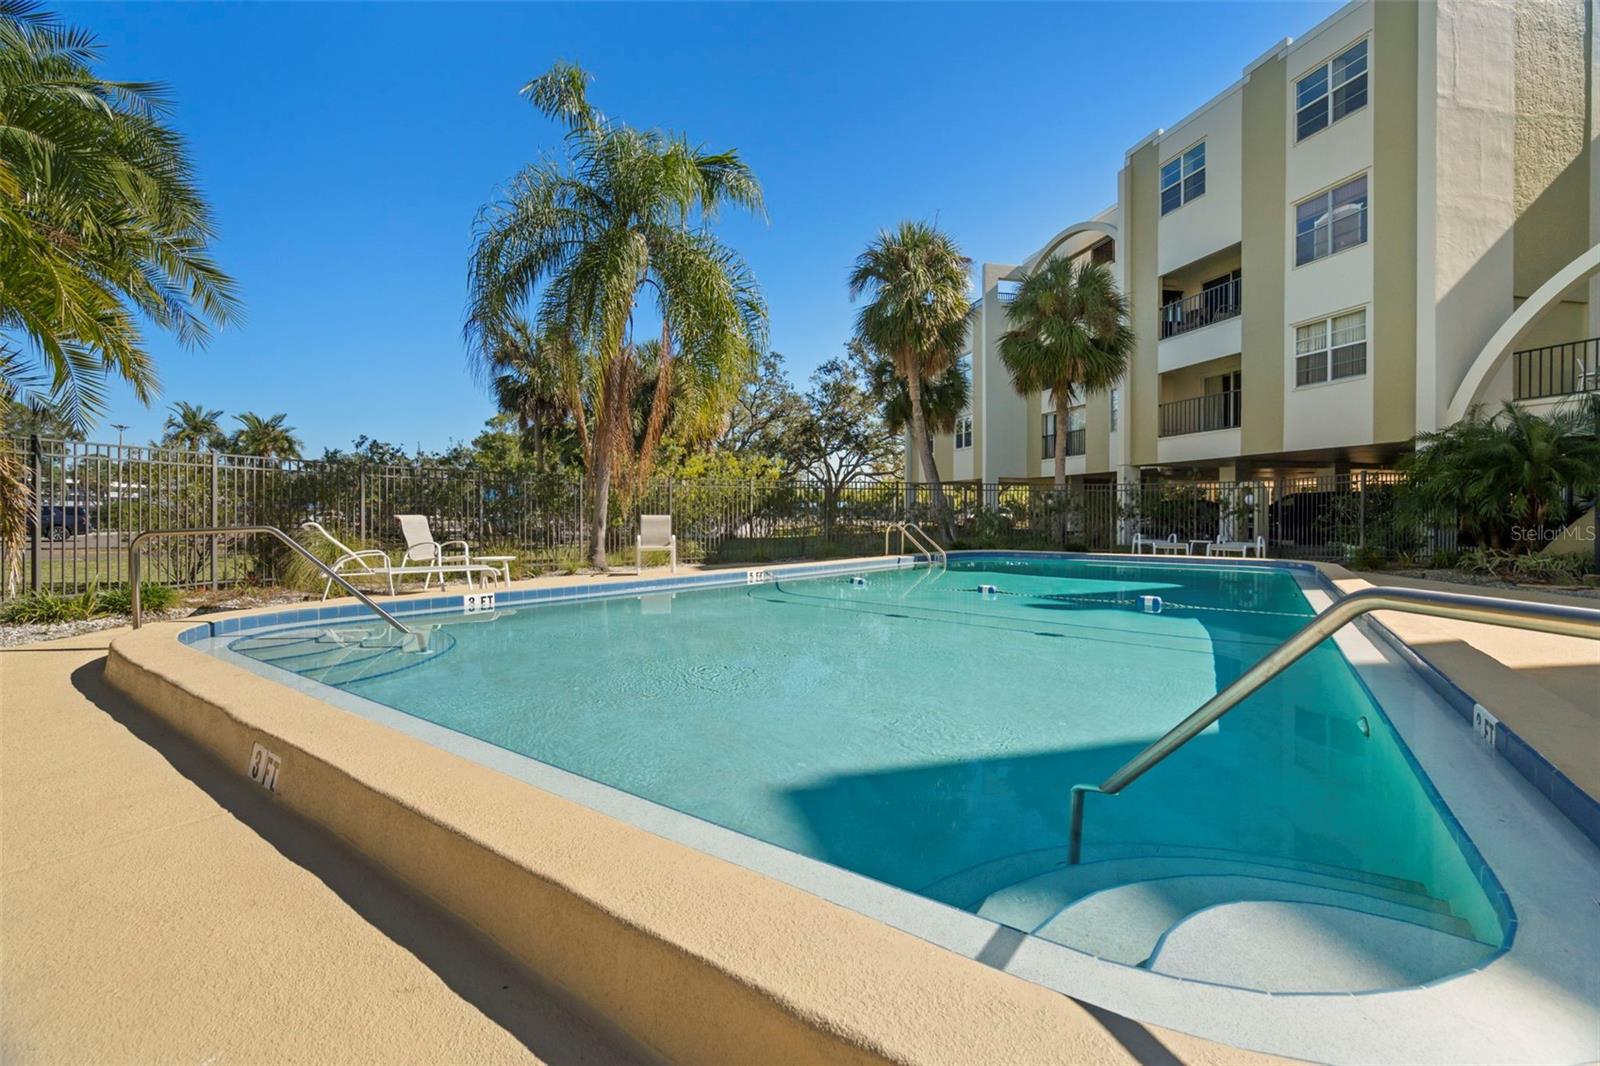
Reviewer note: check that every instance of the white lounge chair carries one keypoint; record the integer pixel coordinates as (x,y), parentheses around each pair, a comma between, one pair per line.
(1171,546)
(368,562)
(655,534)
(1241,548)
(426,556)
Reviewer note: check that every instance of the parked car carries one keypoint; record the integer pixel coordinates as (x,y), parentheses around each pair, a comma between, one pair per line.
(59,523)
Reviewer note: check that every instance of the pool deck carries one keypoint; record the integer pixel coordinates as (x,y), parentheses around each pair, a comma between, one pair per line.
(157,906)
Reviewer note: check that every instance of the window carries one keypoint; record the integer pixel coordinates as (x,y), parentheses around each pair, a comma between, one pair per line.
(1183,178)
(1331,92)
(1049,437)
(1331,349)
(964,431)
(1104,253)
(1331,221)
(1114,405)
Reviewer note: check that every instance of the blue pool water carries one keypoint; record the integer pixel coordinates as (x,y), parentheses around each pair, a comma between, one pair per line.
(925,733)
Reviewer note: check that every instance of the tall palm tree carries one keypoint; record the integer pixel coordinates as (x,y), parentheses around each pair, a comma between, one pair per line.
(192,426)
(1069,333)
(623,216)
(917,315)
(270,438)
(101,221)
(944,399)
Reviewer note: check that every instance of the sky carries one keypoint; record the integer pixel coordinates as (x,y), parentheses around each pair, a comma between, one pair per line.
(346,149)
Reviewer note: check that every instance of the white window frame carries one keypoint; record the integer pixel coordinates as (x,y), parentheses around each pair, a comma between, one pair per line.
(1331,219)
(1318,350)
(964,431)
(1115,393)
(1185,175)
(1325,98)
(1048,429)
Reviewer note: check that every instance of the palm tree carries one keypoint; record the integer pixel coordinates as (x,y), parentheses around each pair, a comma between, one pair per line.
(101,221)
(1070,333)
(917,316)
(269,438)
(533,380)
(191,426)
(101,225)
(1507,469)
(623,216)
(944,399)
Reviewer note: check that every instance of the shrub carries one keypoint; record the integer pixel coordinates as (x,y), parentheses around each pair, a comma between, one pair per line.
(1561,569)
(152,597)
(1369,557)
(47,608)
(43,608)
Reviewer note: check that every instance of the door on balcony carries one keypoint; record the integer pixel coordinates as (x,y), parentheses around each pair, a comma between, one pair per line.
(1222,400)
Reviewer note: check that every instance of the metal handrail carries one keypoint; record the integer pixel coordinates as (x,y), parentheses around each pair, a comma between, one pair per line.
(1540,617)
(919,539)
(417,639)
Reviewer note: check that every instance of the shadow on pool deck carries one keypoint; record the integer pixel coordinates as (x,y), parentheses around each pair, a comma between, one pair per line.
(494,992)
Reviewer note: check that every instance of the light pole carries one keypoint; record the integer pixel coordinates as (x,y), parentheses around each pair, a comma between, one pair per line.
(120,428)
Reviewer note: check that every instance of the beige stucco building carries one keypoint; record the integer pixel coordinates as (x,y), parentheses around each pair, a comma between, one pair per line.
(1330,255)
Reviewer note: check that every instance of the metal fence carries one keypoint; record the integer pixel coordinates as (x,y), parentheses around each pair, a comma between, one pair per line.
(91,499)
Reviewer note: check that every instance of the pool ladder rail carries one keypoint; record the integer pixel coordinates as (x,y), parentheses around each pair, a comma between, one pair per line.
(413,639)
(1539,617)
(919,539)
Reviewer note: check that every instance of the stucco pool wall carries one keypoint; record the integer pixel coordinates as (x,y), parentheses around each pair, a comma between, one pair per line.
(699,958)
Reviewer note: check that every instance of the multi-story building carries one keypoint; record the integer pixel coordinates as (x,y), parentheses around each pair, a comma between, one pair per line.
(1380,223)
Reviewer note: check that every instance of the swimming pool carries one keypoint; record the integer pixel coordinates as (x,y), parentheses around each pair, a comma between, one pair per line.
(922,727)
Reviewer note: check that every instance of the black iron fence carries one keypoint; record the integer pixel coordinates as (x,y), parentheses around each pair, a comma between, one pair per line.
(91,499)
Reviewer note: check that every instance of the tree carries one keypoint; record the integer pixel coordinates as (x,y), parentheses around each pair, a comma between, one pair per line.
(532,379)
(841,436)
(102,224)
(917,315)
(1070,333)
(191,426)
(766,404)
(1507,469)
(944,399)
(270,438)
(624,216)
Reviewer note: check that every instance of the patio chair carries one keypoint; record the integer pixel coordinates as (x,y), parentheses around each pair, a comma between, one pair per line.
(368,562)
(426,556)
(655,534)
(1171,546)
(1241,548)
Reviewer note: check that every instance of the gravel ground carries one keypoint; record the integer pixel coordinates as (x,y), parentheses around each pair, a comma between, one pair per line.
(14,634)
(1484,581)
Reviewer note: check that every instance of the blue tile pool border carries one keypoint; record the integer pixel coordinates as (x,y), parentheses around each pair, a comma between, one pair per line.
(1582,809)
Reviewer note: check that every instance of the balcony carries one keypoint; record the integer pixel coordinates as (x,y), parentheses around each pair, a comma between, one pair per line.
(1075,444)
(1558,370)
(1216,304)
(1200,414)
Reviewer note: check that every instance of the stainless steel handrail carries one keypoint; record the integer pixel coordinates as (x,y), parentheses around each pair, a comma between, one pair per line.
(417,638)
(919,539)
(1517,614)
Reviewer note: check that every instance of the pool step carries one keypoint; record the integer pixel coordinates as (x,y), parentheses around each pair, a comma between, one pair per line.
(1310,947)
(337,656)
(1131,910)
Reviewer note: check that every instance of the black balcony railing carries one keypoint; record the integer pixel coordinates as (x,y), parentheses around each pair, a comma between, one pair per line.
(1201,414)
(1557,370)
(1076,441)
(1203,308)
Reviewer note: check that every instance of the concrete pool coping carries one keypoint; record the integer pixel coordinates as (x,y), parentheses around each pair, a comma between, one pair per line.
(776,966)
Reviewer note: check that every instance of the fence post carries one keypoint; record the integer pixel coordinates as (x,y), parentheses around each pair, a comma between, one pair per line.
(213,521)
(361,506)
(38,514)
(1361,511)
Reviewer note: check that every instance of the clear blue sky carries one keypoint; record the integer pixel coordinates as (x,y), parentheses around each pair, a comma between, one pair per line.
(346,149)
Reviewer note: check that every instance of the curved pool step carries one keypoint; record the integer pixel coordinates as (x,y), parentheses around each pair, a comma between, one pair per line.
(1310,947)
